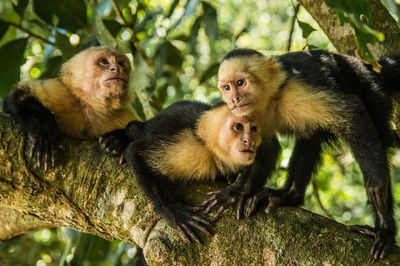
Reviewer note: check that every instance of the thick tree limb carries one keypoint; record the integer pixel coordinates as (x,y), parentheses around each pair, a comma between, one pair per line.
(342,37)
(90,192)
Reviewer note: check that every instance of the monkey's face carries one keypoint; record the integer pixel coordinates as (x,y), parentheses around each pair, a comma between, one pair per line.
(247,84)
(240,137)
(109,73)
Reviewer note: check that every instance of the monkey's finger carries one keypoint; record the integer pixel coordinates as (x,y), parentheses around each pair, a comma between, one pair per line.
(386,250)
(46,158)
(106,140)
(369,231)
(239,209)
(377,248)
(39,151)
(185,235)
(121,159)
(53,154)
(33,148)
(213,192)
(249,206)
(211,206)
(271,205)
(202,220)
(207,201)
(219,213)
(191,234)
(200,227)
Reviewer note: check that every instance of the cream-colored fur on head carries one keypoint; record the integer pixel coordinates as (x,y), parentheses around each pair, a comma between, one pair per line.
(192,155)
(73,118)
(259,71)
(77,73)
(77,112)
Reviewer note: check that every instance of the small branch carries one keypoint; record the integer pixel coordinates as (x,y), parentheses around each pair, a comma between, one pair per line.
(119,14)
(292,23)
(131,25)
(316,195)
(31,34)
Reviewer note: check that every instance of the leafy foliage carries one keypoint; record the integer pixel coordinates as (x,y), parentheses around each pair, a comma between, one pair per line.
(175,46)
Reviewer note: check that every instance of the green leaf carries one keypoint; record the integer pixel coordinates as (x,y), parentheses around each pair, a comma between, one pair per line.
(167,54)
(102,33)
(211,22)
(194,33)
(53,66)
(20,7)
(144,84)
(306,28)
(190,8)
(3,28)
(62,43)
(12,57)
(83,248)
(71,14)
(356,13)
(210,72)
(173,6)
(112,26)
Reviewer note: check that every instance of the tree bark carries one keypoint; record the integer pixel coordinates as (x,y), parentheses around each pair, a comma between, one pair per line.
(342,36)
(91,192)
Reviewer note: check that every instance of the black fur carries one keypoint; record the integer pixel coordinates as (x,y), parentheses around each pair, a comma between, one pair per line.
(367,98)
(38,123)
(160,190)
(241,52)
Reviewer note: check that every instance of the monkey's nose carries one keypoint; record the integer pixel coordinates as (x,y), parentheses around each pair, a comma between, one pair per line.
(245,142)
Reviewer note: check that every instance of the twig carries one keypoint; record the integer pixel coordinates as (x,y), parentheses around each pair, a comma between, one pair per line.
(296,10)
(31,34)
(131,25)
(316,195)
(119,14)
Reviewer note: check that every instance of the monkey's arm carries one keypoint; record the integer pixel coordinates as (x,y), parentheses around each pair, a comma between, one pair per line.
(248,183)
(115,142)
(38,123)
(167,203)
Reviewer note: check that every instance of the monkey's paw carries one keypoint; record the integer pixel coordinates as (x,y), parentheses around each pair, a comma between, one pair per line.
(185,221)
(226,198)
(383,243)
(45,147)
(115,143)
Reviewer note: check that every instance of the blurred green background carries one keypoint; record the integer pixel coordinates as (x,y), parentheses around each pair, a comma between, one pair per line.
(175,47)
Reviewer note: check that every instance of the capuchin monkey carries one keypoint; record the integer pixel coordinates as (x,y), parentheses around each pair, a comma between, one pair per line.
(319,97)
(191,141)
(90,97)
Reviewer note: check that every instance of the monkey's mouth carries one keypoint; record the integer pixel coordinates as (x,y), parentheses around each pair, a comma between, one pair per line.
(238,107)
(117,79)
(248,151)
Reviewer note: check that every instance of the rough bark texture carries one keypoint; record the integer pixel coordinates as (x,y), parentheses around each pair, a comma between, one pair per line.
(342,37)
(90,192)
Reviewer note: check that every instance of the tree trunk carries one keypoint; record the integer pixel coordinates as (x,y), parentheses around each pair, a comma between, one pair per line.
(91,192)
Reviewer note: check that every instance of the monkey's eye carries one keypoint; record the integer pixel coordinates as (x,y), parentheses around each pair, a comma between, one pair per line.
(227,87)
(121,63)
(103,61)
(240,82)
(254,129)
(238,126)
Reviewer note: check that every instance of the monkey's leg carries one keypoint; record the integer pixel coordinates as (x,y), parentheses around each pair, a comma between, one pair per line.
(371,156)
(159,190)
(248,183)
(304,162)
(38,123)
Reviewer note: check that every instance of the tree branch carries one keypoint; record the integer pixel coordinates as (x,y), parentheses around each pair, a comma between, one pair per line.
(343,38)
(91,192)
(31,34)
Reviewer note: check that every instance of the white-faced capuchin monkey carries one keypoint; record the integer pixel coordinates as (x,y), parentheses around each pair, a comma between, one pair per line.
(190,141)
(319,97)
(90,97)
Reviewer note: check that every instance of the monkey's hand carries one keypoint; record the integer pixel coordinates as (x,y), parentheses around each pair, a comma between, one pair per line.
(115,143)
(45,143)
(185,221)
(383,243)
(226,198)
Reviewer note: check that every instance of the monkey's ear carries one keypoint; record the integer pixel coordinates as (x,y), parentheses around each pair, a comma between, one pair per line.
(271,65)
(271,62)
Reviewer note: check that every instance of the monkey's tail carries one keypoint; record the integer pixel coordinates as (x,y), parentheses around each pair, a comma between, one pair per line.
(391,71)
